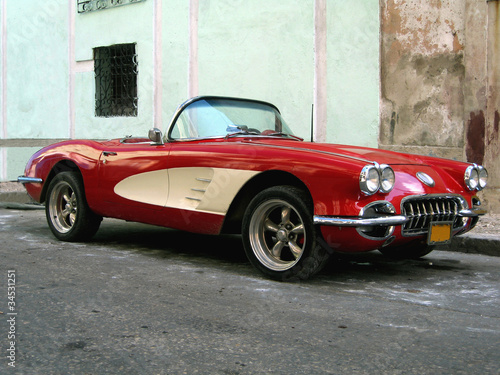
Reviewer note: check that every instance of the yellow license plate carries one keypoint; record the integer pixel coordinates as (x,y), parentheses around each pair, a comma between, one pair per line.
(439,233)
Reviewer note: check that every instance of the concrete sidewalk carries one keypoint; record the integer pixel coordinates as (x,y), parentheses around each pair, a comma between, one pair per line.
(483,239)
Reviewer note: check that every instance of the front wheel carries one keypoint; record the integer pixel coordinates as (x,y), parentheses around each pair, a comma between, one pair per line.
(279,237)
(68,214)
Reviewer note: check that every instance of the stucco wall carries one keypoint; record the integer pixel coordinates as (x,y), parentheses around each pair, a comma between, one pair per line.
(422,74)
(438,89)
(492,127)
(126,24)
(260,49)
(37,80)
(353,72)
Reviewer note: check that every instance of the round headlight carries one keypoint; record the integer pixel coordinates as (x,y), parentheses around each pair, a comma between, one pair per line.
(483,177)
(369,180)
(471,177)
(387,178)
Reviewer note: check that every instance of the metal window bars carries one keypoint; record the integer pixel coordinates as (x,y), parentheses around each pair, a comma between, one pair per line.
(116,70)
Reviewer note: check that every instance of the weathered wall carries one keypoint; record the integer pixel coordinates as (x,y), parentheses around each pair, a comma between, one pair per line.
(475,80)
(492,136)
(439,68)
(422,74)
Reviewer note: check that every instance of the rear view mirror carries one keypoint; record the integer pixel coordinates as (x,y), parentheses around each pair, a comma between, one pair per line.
(155,136)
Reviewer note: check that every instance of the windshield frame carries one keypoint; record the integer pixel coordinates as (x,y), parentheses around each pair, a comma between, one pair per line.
(168,135)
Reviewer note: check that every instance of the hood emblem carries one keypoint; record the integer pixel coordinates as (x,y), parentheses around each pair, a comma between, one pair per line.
(425,179)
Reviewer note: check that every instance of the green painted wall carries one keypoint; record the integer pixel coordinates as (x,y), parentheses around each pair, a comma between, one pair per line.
(353,72)
(126,24)
(37,63)
(263,49)
(15,159)
(175,56)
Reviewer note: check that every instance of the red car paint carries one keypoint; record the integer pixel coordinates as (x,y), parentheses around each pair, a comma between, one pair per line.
(329,173)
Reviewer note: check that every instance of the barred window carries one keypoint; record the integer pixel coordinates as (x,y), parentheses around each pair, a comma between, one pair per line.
(115,70)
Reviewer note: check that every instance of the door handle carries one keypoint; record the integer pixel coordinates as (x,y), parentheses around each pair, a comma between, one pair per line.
(109,153)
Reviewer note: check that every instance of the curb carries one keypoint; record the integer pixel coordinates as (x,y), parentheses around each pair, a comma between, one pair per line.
(16,197)
(473,243)
(13,196)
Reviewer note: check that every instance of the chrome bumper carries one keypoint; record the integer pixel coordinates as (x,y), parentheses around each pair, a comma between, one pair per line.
(383,221)
(473,212)
(29,180)
(359,221)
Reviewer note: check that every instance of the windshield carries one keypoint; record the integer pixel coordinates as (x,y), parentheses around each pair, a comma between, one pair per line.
(224,117)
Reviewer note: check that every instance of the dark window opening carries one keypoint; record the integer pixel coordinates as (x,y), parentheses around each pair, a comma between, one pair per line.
(115,70)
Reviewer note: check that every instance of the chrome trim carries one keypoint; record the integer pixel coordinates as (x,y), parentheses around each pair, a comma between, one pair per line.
(390,207)
(482,171)
(474,212)
(29,180)
(363,179)
(382,207)
(359,221)
(188,102)
(383,168)
(426,179)
(439,211)
(470,182)
(199,190)
(155,137)
(475,183)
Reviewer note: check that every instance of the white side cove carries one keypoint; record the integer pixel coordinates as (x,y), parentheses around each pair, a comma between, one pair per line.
(200,189)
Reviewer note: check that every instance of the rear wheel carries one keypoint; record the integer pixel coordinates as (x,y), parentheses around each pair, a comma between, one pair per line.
(68,214)
(279,237)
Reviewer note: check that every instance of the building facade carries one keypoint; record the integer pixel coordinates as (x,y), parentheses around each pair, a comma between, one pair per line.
(439,82)
(404,75)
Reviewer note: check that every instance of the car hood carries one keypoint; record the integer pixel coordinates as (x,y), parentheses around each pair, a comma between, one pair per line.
(365,154)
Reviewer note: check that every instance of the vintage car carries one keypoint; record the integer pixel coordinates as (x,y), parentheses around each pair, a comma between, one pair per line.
(230,165)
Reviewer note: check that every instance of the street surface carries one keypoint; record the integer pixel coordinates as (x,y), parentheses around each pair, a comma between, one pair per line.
(147,300)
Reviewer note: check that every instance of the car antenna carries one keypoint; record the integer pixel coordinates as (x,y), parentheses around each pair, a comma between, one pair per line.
(312,122)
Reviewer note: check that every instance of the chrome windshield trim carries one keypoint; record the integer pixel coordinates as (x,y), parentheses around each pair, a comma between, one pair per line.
(29,180)
(359,221)
(190,101)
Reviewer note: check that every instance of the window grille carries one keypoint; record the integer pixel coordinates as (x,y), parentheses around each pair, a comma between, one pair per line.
(86,6)
(116,71)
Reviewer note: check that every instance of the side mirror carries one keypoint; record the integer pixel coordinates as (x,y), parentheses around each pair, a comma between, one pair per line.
(155,136)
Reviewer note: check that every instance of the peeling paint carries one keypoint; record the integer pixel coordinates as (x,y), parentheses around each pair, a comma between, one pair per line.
(427,28)
(493,138)
(423,72)
(476,129)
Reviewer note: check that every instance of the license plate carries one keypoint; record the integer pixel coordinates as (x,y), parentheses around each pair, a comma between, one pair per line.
(439,233)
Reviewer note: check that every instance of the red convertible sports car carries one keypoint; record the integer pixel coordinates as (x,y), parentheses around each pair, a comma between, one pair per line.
(229,165)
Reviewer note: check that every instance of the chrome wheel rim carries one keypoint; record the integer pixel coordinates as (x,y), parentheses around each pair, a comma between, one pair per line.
(63,207)
(277,235)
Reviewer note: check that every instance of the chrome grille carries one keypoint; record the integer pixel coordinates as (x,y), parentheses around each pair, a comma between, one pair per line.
(421,211)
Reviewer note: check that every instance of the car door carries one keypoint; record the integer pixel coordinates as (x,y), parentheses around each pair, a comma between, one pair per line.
(133,179)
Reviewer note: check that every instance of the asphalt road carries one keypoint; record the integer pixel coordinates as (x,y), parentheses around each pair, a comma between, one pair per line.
(148,300)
